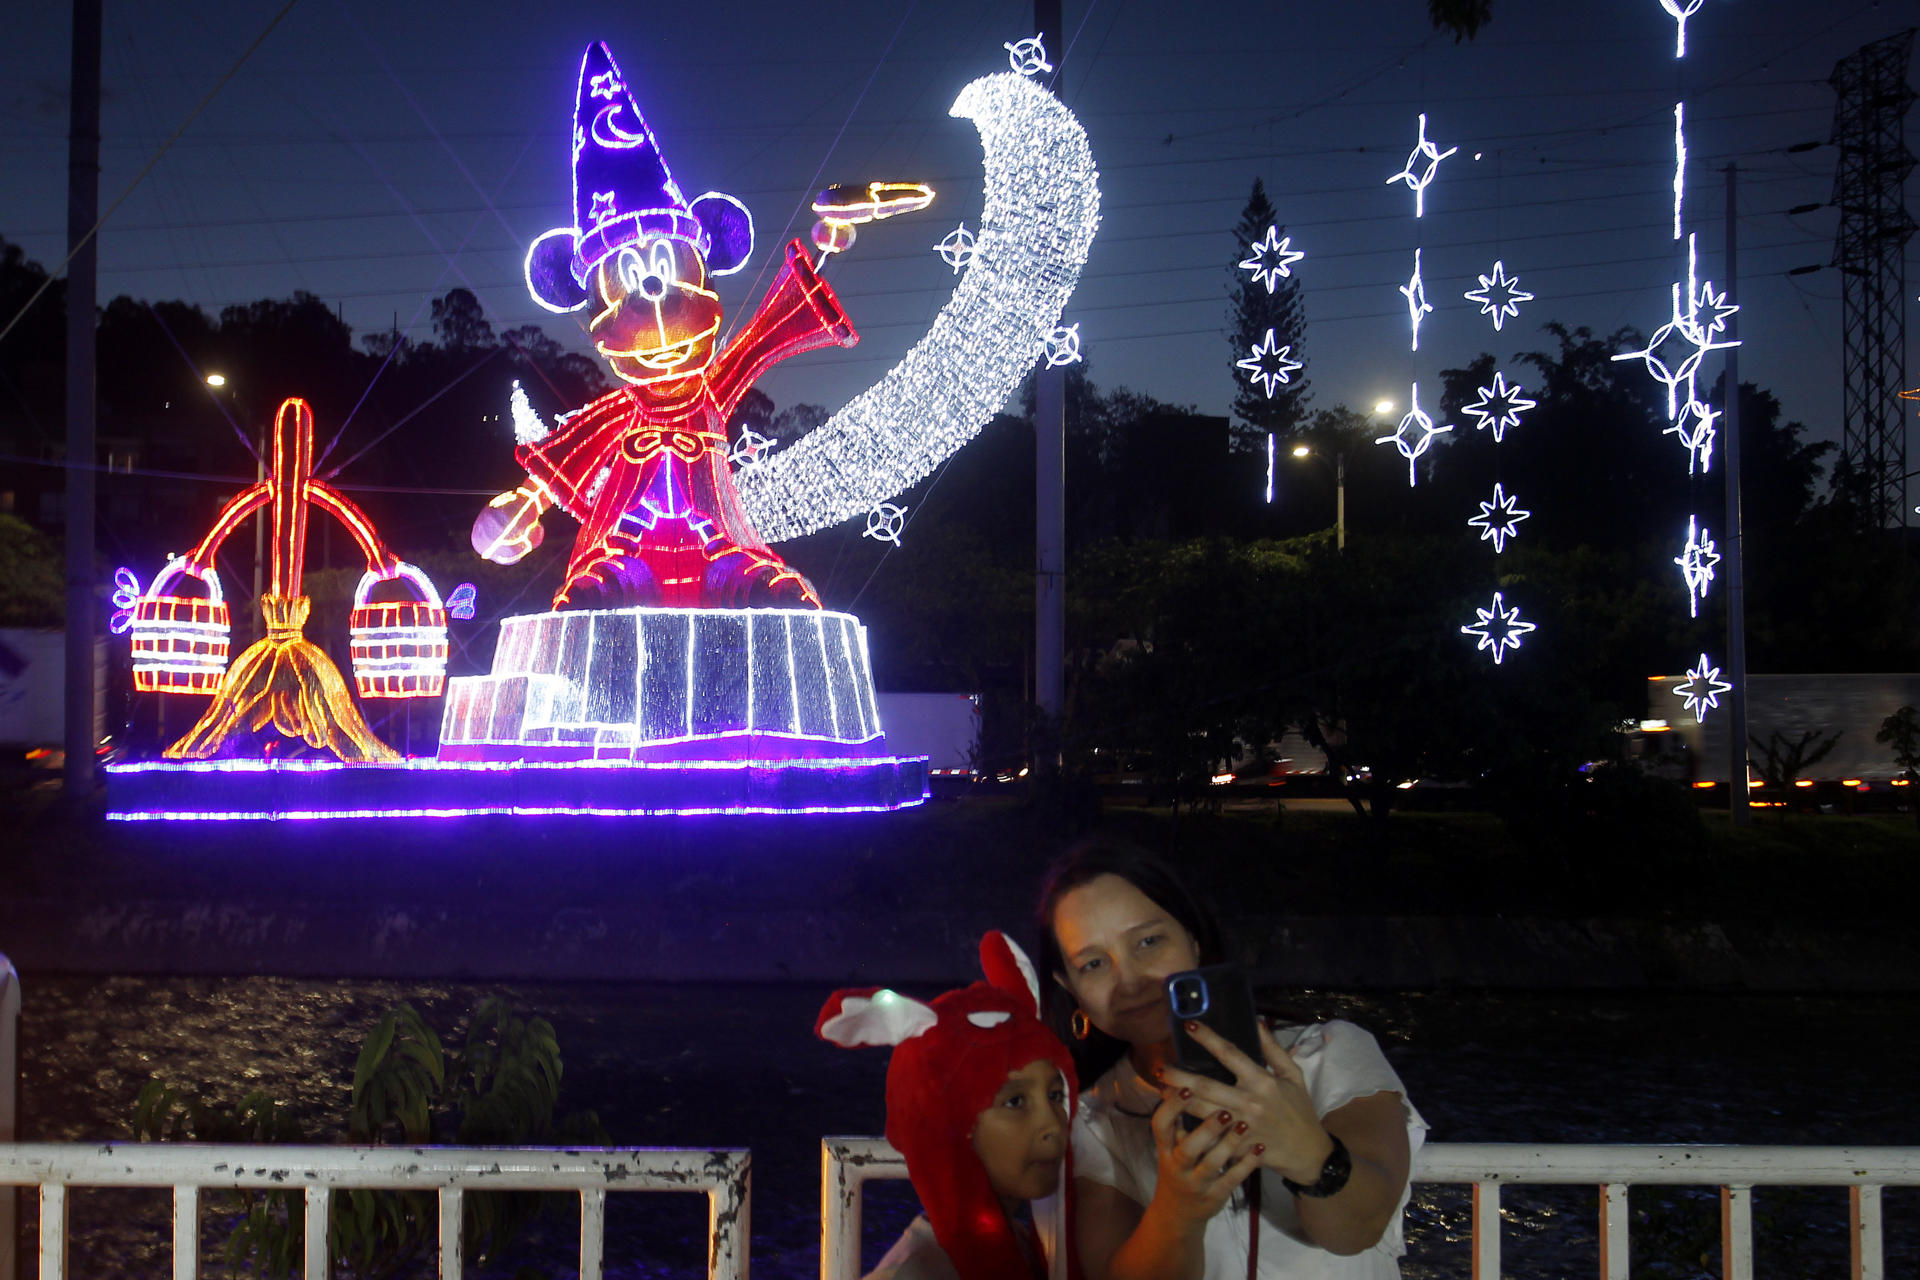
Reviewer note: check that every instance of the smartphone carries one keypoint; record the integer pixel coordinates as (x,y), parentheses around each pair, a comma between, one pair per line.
(1220,997)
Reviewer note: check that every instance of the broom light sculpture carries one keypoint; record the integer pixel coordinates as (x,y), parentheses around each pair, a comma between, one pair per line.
(284,680)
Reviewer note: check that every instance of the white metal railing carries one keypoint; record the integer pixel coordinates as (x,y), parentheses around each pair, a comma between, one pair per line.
(723,1175)
(847,1164)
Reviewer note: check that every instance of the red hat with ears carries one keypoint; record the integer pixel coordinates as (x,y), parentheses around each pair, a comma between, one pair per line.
(950,1059)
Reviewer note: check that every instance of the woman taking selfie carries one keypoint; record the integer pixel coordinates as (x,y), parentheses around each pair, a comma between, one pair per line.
(1314,1142)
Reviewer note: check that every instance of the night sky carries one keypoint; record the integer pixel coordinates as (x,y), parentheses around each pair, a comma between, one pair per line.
(379,154)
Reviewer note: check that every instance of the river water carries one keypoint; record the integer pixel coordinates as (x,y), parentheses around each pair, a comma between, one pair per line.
(737,1065)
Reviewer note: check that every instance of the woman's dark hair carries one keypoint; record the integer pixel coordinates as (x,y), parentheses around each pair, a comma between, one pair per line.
(1083,863)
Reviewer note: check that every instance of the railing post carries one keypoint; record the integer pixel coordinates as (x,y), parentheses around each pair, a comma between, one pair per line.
(839,1216)
(186,1232)
(593,1232)
(1486,1231)
(53,1231)
(451,1200)
(1613,1231)
(9,1071)
(1736,1233)
(1863,1213)
(318,1259)
(730,1220)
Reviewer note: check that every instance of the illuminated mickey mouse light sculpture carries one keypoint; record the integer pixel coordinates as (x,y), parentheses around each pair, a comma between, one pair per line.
(645,468)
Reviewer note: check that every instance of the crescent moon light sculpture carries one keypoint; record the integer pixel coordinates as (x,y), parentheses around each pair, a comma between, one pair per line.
(1042,208)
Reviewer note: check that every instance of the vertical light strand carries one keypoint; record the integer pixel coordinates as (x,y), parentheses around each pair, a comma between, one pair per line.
(1679,162)
(793,681)
(826,671)
(859,700)
(693,625)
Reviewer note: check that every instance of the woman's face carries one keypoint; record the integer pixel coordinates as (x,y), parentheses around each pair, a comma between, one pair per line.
(1022,1137)
(1119,947)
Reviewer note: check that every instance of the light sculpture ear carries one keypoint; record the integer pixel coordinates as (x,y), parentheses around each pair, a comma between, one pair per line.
(872,1016)
(1008,969)
(730,228)
(550,276)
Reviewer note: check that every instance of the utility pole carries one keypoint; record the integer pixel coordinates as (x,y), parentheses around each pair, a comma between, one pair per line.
(83,207)
(1050,484)
(1739,811)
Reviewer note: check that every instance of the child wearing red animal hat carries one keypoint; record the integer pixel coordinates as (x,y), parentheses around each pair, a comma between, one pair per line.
(979,1101)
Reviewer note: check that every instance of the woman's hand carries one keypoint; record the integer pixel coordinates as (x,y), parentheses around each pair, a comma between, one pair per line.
(1199,1170)
(1272,1114)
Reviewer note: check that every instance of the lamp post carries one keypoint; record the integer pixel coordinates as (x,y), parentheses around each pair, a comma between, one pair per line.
(1339,490)
(218,382)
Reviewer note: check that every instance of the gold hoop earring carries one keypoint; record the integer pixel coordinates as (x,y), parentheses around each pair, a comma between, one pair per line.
(1080,1025)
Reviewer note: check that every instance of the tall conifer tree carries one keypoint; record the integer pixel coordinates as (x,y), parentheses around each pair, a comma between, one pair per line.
(1251,313)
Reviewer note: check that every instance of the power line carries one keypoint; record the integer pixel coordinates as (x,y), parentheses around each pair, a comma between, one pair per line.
(148,168)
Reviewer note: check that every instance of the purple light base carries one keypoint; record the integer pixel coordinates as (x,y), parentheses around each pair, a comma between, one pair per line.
(255,790)
(742,746)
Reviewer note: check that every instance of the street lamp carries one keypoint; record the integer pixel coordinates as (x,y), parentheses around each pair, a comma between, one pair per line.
(218,381)
(1339,490)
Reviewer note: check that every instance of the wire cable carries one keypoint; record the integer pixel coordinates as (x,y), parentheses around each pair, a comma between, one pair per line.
(145,170)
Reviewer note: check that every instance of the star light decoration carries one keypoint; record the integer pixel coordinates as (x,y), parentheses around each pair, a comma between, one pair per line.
(1499,295)
(1271,258)
(1063,346)
(1269,375)
(1696,431)
(746,451)
(885,522)
(1697,563)
(1498,407)
(1498,628)
(1702,689)
(957,249)
(1042,207)
(1418,182)
(1415,292)
(1674,355)
(1414,436)
(1680,11)
(1498,519)
(1029,56)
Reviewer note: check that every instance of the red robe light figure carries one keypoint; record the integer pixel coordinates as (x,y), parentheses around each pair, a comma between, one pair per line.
(644,469)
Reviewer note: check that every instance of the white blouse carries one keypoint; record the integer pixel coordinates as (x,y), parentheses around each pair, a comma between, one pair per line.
(1341,1063)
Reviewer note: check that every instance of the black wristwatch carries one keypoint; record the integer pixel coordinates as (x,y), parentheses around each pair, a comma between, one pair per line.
(1333,1174)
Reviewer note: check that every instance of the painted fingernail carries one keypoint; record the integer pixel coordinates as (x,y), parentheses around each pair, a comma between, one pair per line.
(1226,1117)
(1192,1027)
(1259,1148)
(1241,1127)
(1185,1094)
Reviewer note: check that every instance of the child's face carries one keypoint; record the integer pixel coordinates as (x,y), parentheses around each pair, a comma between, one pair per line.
(1022,1137)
